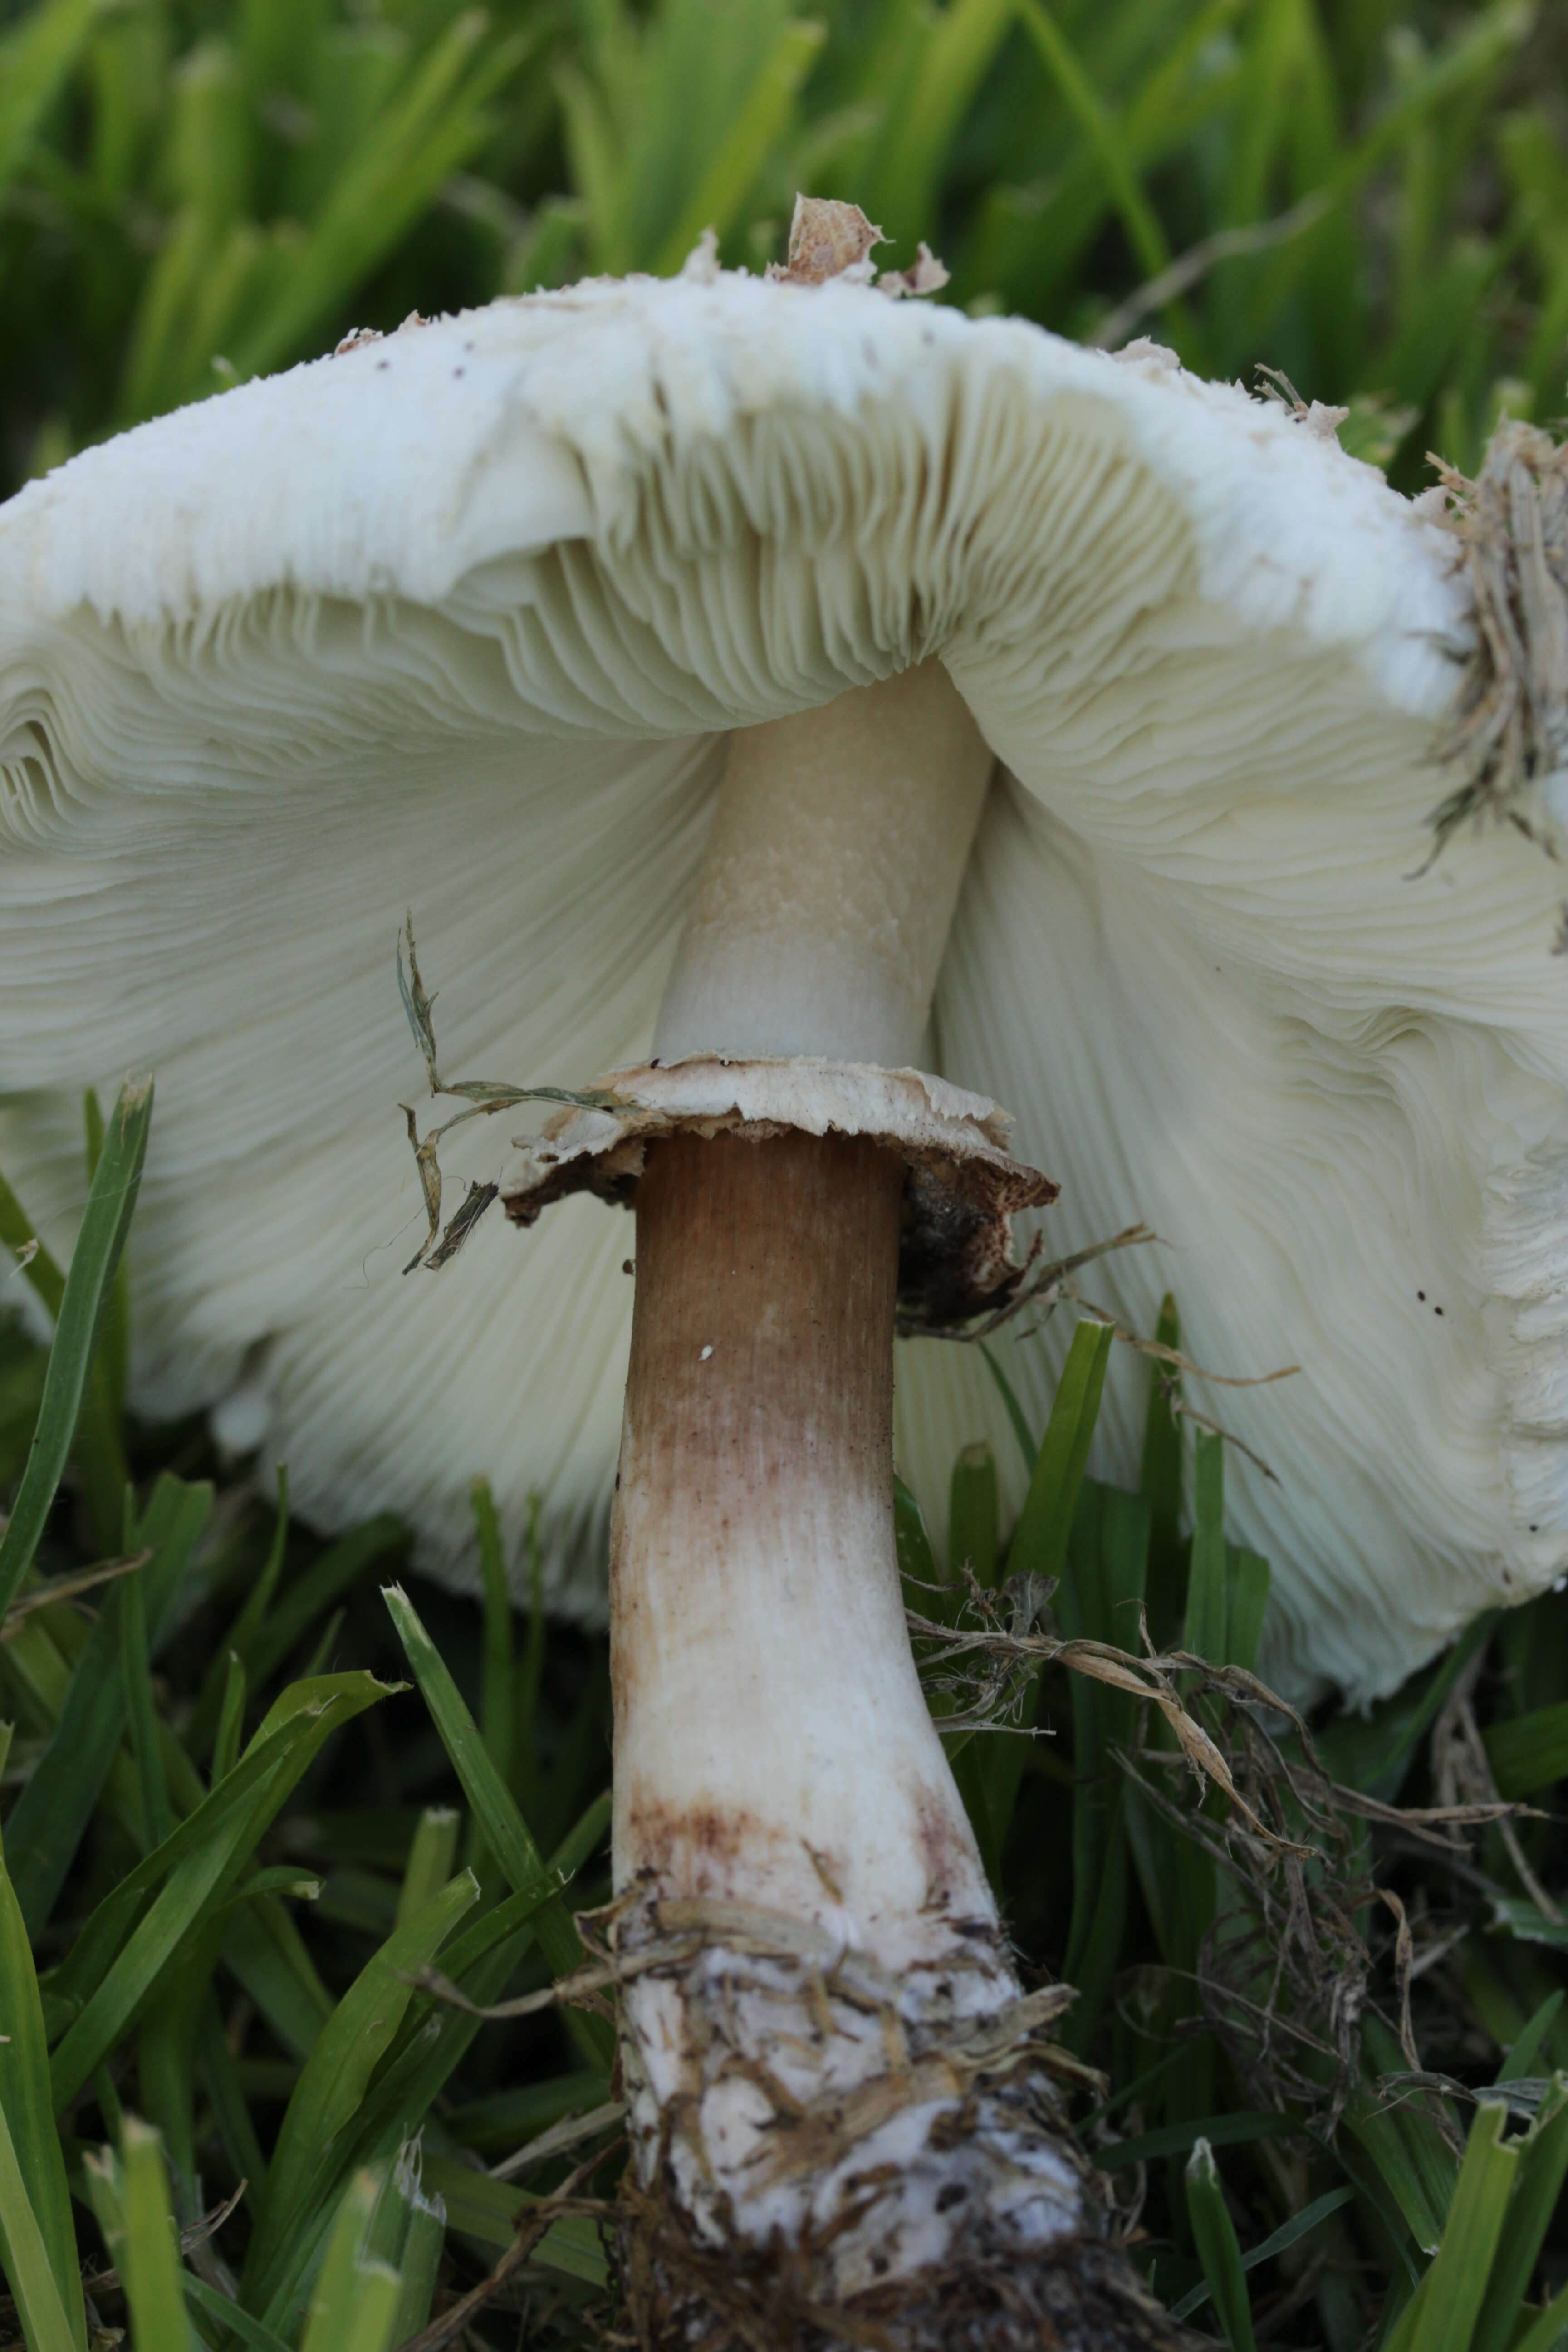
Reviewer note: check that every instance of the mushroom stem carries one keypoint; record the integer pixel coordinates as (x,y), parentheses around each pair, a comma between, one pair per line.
(824,902)
(839,2097)
(808,1936)
(772,1745)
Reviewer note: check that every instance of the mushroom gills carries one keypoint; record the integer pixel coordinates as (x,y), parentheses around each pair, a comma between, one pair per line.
(831,2070)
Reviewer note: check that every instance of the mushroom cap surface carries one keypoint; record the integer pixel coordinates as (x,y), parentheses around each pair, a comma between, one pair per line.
(459,619)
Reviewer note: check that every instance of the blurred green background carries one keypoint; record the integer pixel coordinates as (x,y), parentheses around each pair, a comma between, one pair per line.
(1370,195)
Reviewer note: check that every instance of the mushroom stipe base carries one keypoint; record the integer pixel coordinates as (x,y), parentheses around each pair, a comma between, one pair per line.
(955,2130)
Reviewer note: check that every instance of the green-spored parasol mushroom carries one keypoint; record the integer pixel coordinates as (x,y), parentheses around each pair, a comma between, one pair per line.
(773,697)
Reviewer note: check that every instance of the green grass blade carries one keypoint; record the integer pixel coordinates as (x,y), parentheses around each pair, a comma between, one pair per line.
(945,58)
(1213,2234)
(1040,1546)
(1099,1600)
(1527,2044)
(257,1602)
(19,1236)
(35,60)
(1044,1523)
(97,1448)
(170,2025)
(1542,2169)
(242,1634)
(1528,1752)
(57,1803)
(1474,53)
(432,1858)
(46,1825)
(107,1218)
(1247,1605)
(170,1527)
(1442,2318)
(172,1915)
(924,1591)
(27,2268)
(131,2200)
(523,1777)
(496,1691)
(1547,2330)
(227,2316)
(28,2106)
(755,127)
(497,1674)
(502,2120)
(1414,2163)
(506,1833)
(54,1809)
(433,2042)
(486,1937)
(487,2210)
(207,1851)
(291,1736)
(1375,1753)
(337,2073)
(1206,1632)
(324,1582)
(1017,1420)
(1159,1482)
(354,2303)
(432,126)
(1279,2242)
(97,1452)
(420,2266)
(407,2233)
(974,1512)
(265,1955)
(322,1656)
(218,2073)
(1101,133)
(114,1346)
(230,1721)
(141,1709)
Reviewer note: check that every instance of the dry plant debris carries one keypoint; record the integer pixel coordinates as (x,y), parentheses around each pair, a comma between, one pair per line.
(1508,733)
(1285,1968)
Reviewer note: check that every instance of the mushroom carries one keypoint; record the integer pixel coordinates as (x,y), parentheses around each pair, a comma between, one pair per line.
(772,696)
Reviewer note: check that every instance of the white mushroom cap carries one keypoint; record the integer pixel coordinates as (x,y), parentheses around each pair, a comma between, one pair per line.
(458,619)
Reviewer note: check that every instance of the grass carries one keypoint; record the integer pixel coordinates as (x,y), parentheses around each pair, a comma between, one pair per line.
(247,1797)
(1369,194)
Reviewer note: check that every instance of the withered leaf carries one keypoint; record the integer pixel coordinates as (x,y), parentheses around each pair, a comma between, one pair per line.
(496,1094)
(471,1208)
(1507,731)
(416,1004)
(430,1182)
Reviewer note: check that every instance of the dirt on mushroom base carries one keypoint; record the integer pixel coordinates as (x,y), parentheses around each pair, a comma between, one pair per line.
(998,2087)
(1085,2298)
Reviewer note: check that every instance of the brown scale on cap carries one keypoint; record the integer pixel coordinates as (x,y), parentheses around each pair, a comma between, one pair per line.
(829,238)
(826,238)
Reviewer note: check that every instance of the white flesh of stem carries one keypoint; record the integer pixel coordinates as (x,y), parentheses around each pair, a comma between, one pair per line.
(824,902)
